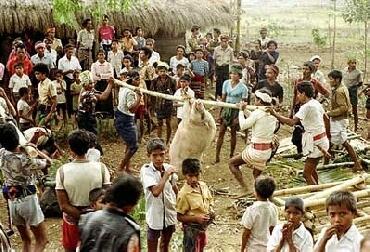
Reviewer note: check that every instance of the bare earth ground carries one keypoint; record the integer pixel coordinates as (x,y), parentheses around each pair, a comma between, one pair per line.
(225,235)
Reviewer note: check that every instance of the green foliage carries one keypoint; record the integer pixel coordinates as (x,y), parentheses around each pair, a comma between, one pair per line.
(139,212)
(274,29)
(357,11)
(318,39)
(64,11)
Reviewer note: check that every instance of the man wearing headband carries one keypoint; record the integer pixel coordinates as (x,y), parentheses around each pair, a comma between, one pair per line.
(233,91)
(310,115)
(308,69)
(263,125)
(271,84)
(40,56)
(56,44)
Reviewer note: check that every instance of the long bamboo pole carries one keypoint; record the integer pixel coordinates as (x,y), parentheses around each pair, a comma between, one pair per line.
(179,99)
(354,181)
(316,202)
(303,189)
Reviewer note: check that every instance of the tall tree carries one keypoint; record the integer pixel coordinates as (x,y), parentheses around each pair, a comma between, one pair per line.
(358,11)
(334,32)
(238,20)
(64,11)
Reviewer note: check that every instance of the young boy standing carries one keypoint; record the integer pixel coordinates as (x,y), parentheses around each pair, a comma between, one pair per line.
(163,108)
(24,110)
(159,182)
(17,81)
(342,235)
(260,218)
(76,88)
(339,112)
(194,207)
(293,235)
(184,90)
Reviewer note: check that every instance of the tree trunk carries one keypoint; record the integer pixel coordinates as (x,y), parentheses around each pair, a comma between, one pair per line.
(238,12)
(334,34)
(365,50)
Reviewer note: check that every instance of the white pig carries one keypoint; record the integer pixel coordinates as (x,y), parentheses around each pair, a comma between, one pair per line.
(194,134)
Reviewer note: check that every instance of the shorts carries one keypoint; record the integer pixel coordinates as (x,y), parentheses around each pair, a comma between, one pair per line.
(353,96)
(256,158)
(26,211)
(368,103)
(338,131)
(71,235)
(229,116)
(126,128)
(154,234)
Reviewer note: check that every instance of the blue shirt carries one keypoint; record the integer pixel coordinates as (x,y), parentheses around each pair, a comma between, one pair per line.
(234,94)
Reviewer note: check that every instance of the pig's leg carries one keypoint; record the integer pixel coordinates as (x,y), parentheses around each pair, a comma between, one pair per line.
(220,141)
(234,164)
(168,130)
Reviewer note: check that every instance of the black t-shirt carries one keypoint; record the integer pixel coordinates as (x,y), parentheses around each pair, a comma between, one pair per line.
(276,89)
(106,230)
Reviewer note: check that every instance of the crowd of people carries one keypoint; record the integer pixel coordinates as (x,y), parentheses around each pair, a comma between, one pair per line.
(61,85)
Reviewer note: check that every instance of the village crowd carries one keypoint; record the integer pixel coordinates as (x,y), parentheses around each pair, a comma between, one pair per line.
(61,83)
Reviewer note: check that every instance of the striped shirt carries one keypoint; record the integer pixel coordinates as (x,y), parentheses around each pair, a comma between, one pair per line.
(200,67)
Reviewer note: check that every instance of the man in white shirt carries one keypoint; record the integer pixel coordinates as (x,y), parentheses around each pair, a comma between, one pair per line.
(155,55)
(74,181)
(183,91)
(40,56)
(69,64)
(101,71)
(115,57)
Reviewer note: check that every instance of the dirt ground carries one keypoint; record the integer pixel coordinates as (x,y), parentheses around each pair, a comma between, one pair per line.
(225,234)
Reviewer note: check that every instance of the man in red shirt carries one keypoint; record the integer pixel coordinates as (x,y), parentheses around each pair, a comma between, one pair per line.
(19,57)
(106,35)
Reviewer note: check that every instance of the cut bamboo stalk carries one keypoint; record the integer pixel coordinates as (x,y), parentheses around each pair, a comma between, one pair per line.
(301,189)
(179,99)
(321,201)
(354,181)
(328,166)
(278,201)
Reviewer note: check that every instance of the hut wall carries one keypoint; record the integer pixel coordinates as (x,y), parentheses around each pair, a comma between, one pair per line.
(166,46)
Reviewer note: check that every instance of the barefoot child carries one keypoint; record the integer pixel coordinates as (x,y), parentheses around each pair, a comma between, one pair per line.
(160,189)
(260,218)
(76,88)
(342,235)
(194,207)
(25,110)
(314,141)
(61,86)
(291,236)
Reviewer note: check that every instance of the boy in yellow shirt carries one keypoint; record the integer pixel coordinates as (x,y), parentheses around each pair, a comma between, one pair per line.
(194,207)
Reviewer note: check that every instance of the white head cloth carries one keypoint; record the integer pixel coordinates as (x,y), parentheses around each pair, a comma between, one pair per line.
(263,96)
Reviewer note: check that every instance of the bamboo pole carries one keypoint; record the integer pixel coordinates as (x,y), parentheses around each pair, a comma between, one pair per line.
(321,201)
(328,166)
(302,189)
(179,99)
(354,181)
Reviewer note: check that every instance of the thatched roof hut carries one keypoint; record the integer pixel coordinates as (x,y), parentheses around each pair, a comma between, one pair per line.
(170,17)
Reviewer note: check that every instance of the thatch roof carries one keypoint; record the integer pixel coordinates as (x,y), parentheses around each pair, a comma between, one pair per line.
(167,16)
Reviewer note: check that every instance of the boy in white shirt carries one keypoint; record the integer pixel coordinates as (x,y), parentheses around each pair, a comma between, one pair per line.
(260,218)
(160,189)
(342,235)
(183,91)
(17,81)
(25,110)
(292,235)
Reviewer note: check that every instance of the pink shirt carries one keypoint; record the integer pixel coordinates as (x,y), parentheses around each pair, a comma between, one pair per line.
(106,34)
